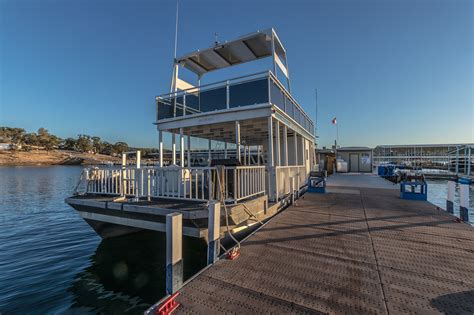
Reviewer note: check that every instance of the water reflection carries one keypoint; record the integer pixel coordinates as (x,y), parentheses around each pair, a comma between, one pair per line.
(127,274)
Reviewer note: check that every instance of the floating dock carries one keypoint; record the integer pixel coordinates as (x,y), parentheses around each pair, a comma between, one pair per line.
(357,249)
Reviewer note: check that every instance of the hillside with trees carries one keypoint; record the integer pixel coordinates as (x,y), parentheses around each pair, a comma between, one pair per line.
(19,147)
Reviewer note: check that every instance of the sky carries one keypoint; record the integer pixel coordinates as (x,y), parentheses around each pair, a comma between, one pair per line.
(392,72)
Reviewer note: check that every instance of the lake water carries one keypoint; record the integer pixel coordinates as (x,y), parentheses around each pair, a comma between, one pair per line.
(51,261)
(438,191)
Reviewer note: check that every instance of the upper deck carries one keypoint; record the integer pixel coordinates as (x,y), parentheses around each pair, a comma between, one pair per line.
(252,91)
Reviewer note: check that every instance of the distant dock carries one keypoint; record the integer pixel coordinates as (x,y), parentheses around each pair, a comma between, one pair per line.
(357,249)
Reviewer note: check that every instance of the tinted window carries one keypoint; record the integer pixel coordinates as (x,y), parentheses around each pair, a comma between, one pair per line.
(192,101)
(212,100)
(164,110)
(277,96)
(290,108)
(249,93)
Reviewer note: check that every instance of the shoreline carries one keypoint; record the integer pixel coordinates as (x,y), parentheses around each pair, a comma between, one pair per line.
(53,158)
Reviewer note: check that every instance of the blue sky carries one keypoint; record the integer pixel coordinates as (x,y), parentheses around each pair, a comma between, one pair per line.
(391,71)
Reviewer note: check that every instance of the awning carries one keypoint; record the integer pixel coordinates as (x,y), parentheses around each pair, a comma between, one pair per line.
(247,48)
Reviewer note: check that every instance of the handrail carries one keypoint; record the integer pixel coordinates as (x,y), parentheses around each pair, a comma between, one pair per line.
(176,182)
(282,87)
(211,84)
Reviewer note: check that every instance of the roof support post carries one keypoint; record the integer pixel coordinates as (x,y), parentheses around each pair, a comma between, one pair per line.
(270,165)
(160,146)
(237,140)
(273,54)
(285,145)
(277,144)
(189,151)
(287,74)
(173,148)
(295,144)
(181,147)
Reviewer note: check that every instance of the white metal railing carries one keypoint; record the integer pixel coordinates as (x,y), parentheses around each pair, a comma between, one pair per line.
(241,182)
(284,175)
(174,182)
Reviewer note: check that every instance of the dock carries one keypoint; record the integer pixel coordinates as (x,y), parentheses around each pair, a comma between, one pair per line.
(359,248)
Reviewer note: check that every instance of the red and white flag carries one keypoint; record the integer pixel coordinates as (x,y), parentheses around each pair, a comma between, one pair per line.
(334,121)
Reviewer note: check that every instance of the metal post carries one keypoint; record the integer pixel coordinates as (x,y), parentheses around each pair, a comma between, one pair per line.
(225,150)
(209,152)
(189,151)
(464,201)
(450,200)
(237,139)
(285,145)
(124,174)
(227,94)
(277,144)
(292,189)
(457,161)
(214,225)
(173,149)
(174,252)
(295,144)
(160,148)
(139,158)
(138,177)
(469,162)
(465,160)
(181,147)
(271,175)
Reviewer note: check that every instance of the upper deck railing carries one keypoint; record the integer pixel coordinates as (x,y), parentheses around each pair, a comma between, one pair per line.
(255,89)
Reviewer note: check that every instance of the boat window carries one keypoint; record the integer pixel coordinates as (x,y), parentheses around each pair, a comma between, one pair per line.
(165,110)
(277,96)
(249,93)
(214,99)
(290,108)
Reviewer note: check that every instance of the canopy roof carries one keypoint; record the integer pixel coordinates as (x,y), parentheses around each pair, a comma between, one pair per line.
(244,49)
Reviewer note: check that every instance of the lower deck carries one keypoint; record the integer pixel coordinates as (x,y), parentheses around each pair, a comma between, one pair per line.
(112,216)
(363,250)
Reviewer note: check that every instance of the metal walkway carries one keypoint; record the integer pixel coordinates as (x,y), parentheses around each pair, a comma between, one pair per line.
(365,253)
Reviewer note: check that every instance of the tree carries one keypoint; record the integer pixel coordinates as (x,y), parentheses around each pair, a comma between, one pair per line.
(96,144)
(31,139)
(13,135)
(51,142)
(120,147)
(107,148)
(84,143)
(69,144)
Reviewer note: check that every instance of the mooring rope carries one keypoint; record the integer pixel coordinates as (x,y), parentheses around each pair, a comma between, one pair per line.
(222,200)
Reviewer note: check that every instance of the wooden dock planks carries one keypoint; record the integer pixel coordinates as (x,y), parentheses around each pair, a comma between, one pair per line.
(366,253)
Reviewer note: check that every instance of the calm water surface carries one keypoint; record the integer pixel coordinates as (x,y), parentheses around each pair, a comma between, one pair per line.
(438,191)
(51,261)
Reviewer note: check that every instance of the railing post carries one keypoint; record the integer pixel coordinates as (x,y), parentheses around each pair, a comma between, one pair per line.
(227,94)
(450,200)
(174,252)
(124,175)
(213,232)
(292,189)
(464,201)
(236,182)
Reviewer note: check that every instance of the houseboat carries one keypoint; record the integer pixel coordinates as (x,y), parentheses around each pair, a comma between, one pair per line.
(262,155)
